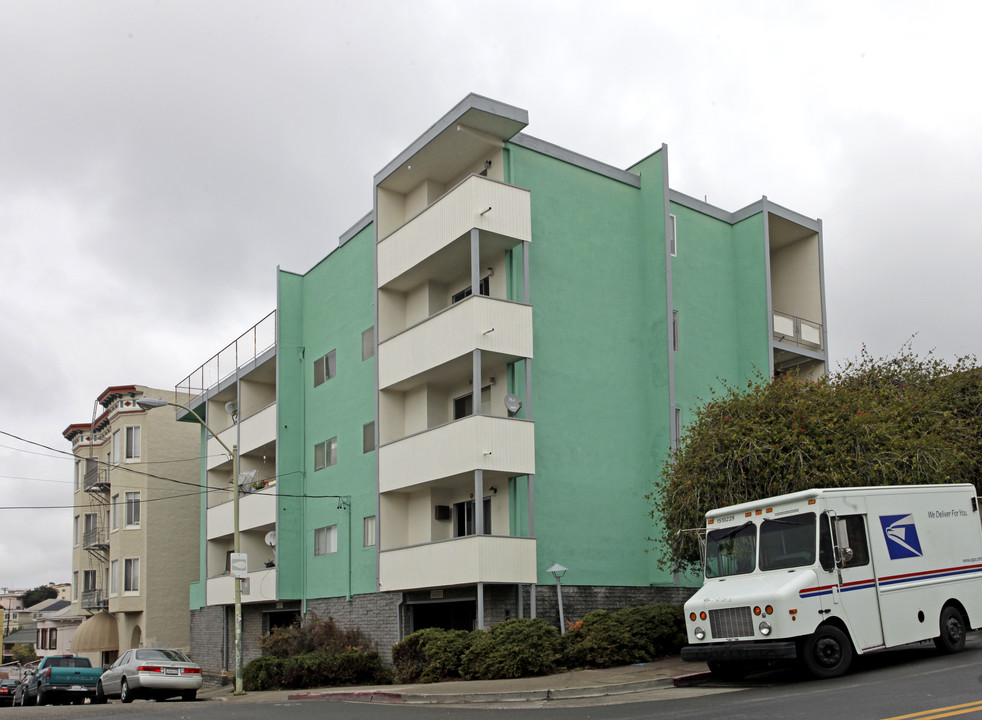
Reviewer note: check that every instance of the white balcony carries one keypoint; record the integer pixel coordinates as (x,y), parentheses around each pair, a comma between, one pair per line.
(496,326)
(256,509)
(461,561)
(261,583)
(479,442)
(256,430)
(498,210)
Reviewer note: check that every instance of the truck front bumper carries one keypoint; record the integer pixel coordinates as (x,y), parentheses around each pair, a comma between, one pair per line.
(768,650)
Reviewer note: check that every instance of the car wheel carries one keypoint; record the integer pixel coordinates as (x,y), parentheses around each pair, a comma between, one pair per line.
(827,652)
(41,697)
(952,637)
(100,695)
(125,694)
(189,695)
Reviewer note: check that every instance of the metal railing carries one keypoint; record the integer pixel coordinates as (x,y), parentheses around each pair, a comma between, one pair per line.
(797,331)
(95,538)
(248,346)
(96,476)
(93,599)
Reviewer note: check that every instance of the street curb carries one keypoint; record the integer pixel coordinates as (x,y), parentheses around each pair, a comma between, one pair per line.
(692,679)
(486,697)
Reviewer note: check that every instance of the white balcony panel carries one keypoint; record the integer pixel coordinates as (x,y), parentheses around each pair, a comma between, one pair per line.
(256,431)
(453,215)
(476,323)
(462,561)
(262,588)
(476,443)
(255,510)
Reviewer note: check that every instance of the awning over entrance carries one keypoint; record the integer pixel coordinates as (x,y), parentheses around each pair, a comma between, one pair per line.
(96,634)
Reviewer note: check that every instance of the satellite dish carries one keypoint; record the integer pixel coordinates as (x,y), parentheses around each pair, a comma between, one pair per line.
(512,403)
(232,408)
(271,538)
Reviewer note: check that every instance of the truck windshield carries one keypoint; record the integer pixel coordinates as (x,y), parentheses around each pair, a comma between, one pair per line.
(787,542)
(732,551)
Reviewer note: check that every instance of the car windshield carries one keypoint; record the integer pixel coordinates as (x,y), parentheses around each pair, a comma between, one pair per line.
(787,542)
(732,551)
(156,654)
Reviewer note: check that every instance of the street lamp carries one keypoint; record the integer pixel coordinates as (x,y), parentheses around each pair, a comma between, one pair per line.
(150,404)
(558,571)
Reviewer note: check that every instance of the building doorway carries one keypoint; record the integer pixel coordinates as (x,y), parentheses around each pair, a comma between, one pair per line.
(449,615)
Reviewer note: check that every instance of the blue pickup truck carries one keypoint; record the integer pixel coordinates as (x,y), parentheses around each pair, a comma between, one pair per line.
(61,679)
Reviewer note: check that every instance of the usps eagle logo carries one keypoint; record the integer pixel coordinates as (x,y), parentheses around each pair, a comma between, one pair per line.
(901,536)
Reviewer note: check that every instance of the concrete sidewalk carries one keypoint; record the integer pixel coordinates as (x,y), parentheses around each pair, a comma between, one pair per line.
(562,686)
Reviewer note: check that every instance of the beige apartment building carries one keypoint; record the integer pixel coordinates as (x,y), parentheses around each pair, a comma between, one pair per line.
(136,524)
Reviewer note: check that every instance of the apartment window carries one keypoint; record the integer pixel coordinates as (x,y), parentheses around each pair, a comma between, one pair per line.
(326,540)
(326,453)
(133,442)
(677,428)
(52,638)
(673,235)
(463,518)
(114,577)
(78,475)
(324,368)
(115,512)
(75,585)
(463,406)
(484,288)
(75,527)
(131,575)
(368,437)
(88,580)
(42,638)
(368,343)
(132,509)
(675,330)
(117,438)
(89,527)
(368,539)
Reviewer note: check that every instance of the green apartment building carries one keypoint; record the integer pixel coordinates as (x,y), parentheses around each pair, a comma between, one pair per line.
(482,381)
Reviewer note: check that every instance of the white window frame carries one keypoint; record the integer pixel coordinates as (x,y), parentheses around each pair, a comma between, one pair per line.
(114,515)
(675,330)
(326,454)
(368,531)
(325,368)
(75,585)
(116,448)
(326,540)
(86,574)
(78,475)
(131,451)
(368,343)
(76,530)
(131,579)
(132,510)
(673,242)
(113,578)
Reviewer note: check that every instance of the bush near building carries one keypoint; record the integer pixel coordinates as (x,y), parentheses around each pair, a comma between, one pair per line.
(526,647)
(316,653)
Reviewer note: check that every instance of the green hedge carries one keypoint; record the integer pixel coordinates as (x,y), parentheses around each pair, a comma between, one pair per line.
(430,655)
(513,649)
(624,637)
(316,669)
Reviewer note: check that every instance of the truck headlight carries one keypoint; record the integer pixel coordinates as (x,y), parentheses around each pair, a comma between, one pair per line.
(700,633)
(764,627)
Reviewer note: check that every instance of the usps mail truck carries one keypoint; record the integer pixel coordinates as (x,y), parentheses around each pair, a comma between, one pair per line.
(822,575)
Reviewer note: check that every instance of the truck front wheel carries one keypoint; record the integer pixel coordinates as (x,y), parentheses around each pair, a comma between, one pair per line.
(827,653)
(41,698)
(952,637)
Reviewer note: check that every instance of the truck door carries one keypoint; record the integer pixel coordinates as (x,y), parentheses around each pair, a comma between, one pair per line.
(854,578)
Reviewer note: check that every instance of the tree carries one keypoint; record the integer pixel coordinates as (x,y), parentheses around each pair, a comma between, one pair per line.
(23,653)
(36,595)
(896,420)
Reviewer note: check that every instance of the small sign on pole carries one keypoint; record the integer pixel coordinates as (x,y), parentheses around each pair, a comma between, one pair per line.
(239,565)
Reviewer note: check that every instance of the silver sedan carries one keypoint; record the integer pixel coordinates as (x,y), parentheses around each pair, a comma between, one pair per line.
(150,673)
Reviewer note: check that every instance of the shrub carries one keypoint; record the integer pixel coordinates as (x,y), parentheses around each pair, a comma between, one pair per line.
(430,655)
(314,635)
(516,648)
(631,635)
(316,669)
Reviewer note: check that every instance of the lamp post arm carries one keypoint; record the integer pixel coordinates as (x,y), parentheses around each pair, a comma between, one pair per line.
(204,425)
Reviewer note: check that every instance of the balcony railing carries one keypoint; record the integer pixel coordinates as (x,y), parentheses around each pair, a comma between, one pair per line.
(797,331)
(95,538)
(93,599)
(96,477)
(248,346)
(461,561)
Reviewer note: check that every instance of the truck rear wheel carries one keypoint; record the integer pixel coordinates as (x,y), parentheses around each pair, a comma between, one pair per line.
(827,653)
(952,637)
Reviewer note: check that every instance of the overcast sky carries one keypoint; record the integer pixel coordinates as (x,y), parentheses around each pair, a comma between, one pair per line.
(159,160)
